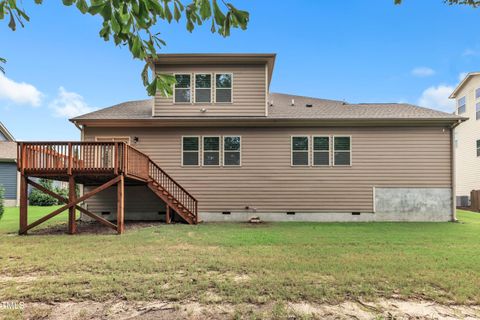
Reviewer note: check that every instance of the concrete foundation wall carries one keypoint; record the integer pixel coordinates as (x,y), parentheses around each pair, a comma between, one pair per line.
(10,203)
(413,204)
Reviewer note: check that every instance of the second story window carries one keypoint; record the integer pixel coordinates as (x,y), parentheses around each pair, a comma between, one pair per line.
(462,105)
(477,94)
(223,87)
(203,88)
(477,110)
(183,93)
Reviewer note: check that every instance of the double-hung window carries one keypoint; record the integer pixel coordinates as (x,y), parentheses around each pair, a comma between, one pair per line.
(477,110)
(231,150)
(478,148)
(321,150)
(462,105)
(203,88)
(223,87)
(342,151)
(183,92)
(190,151)
(211,151)
(300,151)
(477,94)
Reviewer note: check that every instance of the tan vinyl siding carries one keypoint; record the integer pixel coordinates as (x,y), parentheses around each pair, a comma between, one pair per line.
(248,95)
(467,163)
(381,156)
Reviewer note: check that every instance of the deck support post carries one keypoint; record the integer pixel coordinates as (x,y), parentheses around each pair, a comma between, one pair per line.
(23,204)
(167,215)
(121,205)
(72,195)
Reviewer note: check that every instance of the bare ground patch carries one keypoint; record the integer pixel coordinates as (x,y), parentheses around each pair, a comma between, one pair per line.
(122,310)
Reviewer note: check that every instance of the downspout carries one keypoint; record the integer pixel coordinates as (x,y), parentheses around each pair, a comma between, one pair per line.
(453,171)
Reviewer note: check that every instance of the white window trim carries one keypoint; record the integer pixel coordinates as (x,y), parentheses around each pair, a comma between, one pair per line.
(191,88)
(199,152)
(333,151)
(291,151)
(223,151)
(195,87)
(220,145)
(329,151)
(215,88)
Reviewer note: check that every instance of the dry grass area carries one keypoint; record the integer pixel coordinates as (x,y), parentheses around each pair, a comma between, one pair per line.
(225,271)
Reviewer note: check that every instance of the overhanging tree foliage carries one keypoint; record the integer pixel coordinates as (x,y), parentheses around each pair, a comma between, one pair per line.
(473,3)
(130,23)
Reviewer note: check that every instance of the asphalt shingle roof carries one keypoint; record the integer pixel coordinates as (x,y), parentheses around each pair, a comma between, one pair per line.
(280,107)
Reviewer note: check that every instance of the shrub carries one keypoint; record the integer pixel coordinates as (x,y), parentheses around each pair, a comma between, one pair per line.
(2,206)
(38,198)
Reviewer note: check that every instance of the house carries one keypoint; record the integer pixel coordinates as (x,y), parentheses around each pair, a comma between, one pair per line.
(467,137)
(244,151)
(225,148)
(8,167)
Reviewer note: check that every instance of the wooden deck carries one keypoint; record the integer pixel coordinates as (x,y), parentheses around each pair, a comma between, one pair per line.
(99,164)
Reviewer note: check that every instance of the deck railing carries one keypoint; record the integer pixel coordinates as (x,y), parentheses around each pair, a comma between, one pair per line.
(174,188)
(57,158)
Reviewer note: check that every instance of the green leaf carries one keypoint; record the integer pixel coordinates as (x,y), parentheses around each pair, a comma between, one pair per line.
(68,2)
(205,9)
(82,6)
(218,14)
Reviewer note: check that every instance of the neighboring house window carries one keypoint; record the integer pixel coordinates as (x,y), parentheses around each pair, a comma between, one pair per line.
(321,151)
(478,148)
(203,88)
(300,151)
(477,111)
(223,87)
(342,151)
(477,93)
(190,151)
(462,105)
(182,92)
(231,151)
(211,151)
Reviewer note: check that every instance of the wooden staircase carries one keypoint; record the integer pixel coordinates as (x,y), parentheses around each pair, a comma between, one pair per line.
(102,165)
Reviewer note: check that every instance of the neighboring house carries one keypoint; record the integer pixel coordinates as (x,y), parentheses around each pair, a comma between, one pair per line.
(243,151)
(467,137)
(8,167)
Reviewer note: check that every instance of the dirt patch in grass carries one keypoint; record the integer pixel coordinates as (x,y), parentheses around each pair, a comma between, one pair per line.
(382,309)
(93,227)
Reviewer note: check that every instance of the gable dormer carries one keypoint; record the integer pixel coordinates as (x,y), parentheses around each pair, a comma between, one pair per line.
(215,85)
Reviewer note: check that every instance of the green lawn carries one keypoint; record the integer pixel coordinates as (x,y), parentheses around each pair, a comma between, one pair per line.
(243,263)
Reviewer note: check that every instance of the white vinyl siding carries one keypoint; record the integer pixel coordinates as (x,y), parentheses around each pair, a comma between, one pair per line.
(232,149)
(342,151)
(190,151)
(300,150)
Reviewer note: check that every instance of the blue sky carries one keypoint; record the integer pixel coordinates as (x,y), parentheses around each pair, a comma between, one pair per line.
(356,50)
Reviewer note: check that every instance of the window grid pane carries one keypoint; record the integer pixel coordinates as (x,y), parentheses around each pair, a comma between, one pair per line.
(182,95)
(203,81)
(223,95)
(190,158)
(477,93)
(342,151)
(342,158)
(223,80)
(321,143)
(190,143)
(231,151)
(211,143)
(300,158)
(231,143)
(300,143)
(321,158)
(183,81)
(232,158)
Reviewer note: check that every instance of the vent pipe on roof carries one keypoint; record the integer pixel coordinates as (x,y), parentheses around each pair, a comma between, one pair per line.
(293,102)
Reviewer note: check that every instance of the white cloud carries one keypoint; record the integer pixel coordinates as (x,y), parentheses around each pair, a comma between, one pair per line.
(469,52)
(422,72)
(436,97)
(69,104)
(19,92)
